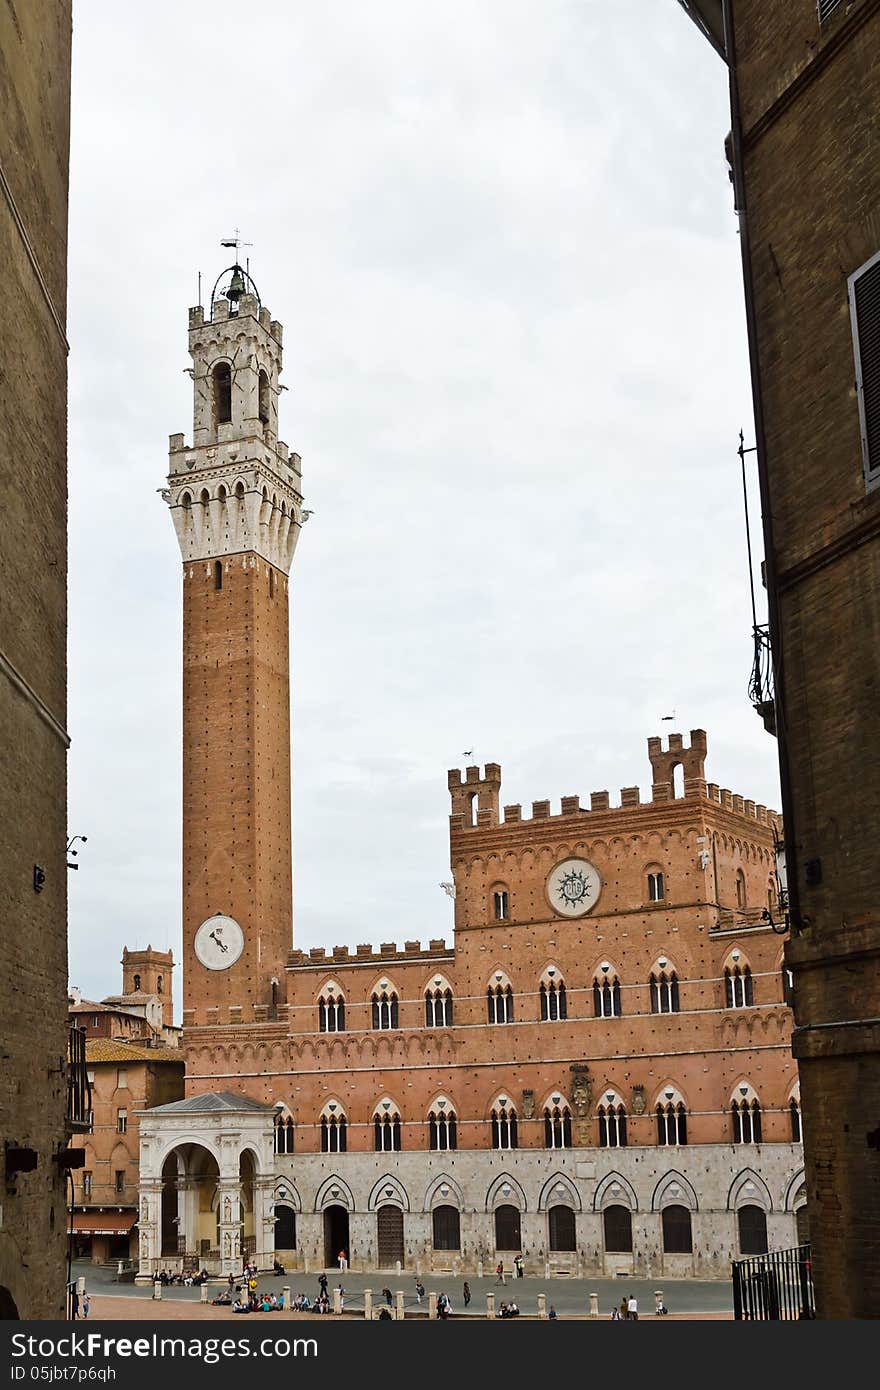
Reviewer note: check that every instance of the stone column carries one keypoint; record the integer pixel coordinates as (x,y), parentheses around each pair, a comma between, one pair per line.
(229,1198)
(398,1304)
(542,1305)
(188,1212)
(150,1224)
(490,1305)
(432,1305)
(337,1301)
(264,1221)
(368,1304)
(594,1305)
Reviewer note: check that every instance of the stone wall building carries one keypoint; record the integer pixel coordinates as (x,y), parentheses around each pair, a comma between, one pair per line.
(805,96)
(597,1076)
(34,136)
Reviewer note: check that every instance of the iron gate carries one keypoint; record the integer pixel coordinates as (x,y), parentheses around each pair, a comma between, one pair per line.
(773,1287)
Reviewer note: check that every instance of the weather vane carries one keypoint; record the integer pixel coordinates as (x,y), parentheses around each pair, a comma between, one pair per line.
(235,241)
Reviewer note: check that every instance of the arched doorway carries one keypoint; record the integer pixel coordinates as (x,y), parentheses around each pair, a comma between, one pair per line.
(285,1228)
(507,1230)
(335,1235)
(389,1230)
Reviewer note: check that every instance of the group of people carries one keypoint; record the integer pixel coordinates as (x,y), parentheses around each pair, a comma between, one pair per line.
(265,1303)
(628,1310)
(518,1270)
(509,1310)
(167,1277)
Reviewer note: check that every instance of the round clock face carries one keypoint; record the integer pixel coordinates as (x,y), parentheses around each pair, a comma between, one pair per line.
(219,942)
(573,887)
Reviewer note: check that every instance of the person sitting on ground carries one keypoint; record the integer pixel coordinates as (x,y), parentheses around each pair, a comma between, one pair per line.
(385,1313)
(240,1307)
(502,1311)
(278,1267)
(513,1310)
(552,1312)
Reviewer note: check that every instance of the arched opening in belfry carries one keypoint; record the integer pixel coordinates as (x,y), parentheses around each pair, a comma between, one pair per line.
(678,781)
(218,575)
(263,398)
(189,1189)
(222,376)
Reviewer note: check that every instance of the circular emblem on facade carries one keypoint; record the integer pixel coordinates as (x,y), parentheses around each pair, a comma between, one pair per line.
(573,887)
(219,942)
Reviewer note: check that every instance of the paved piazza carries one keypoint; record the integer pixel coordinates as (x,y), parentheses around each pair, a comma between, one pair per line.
(685,1298)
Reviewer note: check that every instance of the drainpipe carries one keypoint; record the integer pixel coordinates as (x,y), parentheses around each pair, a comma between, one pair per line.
(770,566)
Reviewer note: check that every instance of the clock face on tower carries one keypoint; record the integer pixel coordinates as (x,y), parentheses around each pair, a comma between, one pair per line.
(219,942)
(573,887)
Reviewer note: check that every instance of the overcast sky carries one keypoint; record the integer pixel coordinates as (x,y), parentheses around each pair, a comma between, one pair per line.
(501,240)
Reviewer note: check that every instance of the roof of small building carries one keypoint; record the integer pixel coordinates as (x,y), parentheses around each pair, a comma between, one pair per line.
(210,1104)
(111,1050)
(136,996)
(89,1006)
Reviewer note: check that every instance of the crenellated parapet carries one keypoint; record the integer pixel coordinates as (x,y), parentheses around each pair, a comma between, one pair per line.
(475,798)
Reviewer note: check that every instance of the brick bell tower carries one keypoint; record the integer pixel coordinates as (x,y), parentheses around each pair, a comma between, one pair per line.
(234,496)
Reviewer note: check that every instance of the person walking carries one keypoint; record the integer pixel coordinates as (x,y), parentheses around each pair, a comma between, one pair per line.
(499,1273)
(632,1308)
(466,1292)
(518,1266)
(322,1284)
(343,1261)
(420,1291)
(624,1308)
(85,1305)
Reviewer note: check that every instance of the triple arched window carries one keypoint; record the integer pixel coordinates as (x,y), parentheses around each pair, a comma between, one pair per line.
(386,1128)
(333,1129)
(385,1009)
(671,1120)
(746,1116)
(331,1010)
(606,994)
(557,1124)
(438,1005)
(504,1131)
(552,996)
(612,1123)
(499,1000)
(283,1134)
(663,985)
(442,1128)
(739,991)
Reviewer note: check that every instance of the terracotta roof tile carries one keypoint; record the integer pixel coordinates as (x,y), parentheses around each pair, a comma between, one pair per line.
(108,1050)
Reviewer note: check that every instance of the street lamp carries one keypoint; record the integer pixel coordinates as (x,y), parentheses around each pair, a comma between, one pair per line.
(70,850)
(782,925)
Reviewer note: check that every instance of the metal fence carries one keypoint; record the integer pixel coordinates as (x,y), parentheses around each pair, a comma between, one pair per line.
(774,1287)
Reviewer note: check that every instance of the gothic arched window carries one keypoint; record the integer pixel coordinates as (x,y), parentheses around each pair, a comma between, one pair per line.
(551,992)
(284,1134)
(746,1115)
(738,989)
(385,1010)
(671,1123)
(612,1125)
(331,1011)
(438,1005)
(442,1133)
(333,1129)
(557,1126)
(561,1223)
(606,994)
(504,1128)
(677,1235)
(499,999)
(617,1224)
(386,1127)
(664,992)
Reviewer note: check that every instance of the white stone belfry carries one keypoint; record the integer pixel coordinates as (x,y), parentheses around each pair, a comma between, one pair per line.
(236,488)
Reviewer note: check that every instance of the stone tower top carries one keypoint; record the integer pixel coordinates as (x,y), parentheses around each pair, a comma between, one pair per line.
(236,488)
(149,972)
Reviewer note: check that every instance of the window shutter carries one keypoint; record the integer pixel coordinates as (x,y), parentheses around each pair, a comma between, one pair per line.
(864,288)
